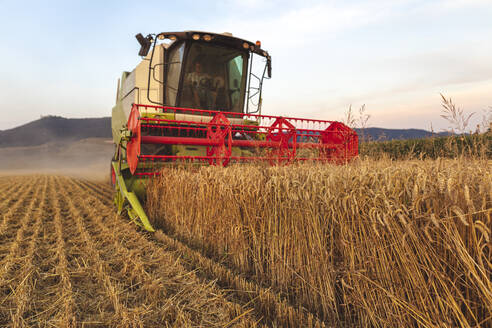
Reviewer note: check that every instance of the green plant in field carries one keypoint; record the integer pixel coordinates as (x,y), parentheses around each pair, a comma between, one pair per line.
(476,145)
(471,145)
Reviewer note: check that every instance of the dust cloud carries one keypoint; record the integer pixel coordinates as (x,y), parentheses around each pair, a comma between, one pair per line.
(87,158)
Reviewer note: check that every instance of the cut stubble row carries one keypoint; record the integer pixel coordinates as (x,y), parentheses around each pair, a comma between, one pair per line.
(67,260)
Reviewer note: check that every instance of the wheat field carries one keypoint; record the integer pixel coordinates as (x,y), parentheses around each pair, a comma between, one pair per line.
(376,243)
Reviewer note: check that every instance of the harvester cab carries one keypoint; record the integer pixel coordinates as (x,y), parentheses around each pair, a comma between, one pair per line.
(196,97)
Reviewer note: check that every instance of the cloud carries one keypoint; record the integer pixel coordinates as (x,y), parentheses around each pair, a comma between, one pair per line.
(294,24)
(440,6)
(249,4)
(457,4)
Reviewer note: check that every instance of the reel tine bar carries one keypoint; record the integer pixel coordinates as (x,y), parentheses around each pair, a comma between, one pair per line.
(219,138)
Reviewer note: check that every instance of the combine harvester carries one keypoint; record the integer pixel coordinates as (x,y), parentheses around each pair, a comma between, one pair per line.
(196,97)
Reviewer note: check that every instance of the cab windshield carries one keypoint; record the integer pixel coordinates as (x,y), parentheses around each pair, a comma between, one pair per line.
(214,78)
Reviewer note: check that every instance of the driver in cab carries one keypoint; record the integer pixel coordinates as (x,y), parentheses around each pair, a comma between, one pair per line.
(203,87)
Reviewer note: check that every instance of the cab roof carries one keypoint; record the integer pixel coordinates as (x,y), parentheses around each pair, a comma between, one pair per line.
(226,39)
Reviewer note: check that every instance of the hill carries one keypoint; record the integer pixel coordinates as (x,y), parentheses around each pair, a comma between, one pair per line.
(55,129)
(396,134)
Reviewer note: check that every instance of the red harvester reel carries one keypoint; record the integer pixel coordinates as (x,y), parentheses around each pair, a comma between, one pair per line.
(228,137)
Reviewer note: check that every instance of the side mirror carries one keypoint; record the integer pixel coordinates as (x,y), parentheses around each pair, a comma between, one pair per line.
(269,67)
(145,44)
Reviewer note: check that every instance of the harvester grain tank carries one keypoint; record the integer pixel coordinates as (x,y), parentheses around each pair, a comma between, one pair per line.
(196,97)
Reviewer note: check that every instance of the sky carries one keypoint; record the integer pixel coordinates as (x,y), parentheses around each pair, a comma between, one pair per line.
(395,57)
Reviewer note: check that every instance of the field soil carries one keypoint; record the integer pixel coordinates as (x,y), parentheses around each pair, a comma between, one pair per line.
(68,260)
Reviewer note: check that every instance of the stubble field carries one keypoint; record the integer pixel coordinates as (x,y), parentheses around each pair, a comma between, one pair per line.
(67,260)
